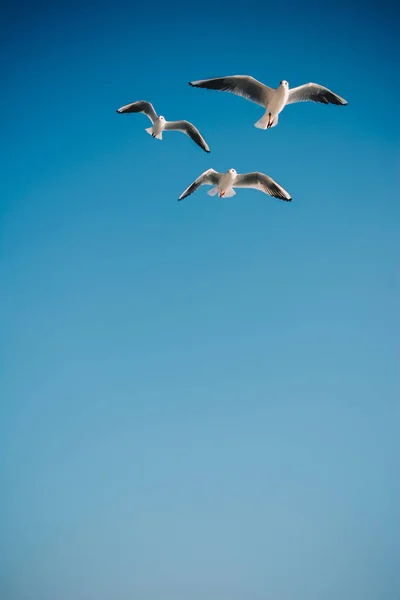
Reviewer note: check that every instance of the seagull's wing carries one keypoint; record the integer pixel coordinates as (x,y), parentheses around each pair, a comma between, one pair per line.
(190,130)
(209,177)
(262,182)
(241,85)
(315,93)
(140,106)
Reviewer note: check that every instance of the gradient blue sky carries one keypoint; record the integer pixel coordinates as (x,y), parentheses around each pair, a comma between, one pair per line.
(198,398)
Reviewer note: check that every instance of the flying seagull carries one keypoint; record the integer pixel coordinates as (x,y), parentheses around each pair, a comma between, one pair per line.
(160,124)
(273,100)
(225,182)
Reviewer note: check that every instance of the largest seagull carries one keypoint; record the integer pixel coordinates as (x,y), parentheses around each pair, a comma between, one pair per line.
(273,100)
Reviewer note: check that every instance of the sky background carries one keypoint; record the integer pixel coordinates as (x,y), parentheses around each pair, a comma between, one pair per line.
(198,399)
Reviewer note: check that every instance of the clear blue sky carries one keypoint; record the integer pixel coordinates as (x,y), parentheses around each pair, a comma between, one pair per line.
(198,399)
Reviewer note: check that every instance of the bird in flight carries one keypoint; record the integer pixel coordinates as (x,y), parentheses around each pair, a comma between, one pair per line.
(273,100)
(159,124)
(225,182)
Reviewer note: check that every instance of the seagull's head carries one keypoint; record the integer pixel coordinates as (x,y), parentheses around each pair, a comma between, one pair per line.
(161,118)
(284,83)
(232,172)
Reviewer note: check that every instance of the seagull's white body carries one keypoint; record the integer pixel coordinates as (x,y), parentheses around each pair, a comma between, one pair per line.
(273,100)
(225,185)
(158,128)
(275,106)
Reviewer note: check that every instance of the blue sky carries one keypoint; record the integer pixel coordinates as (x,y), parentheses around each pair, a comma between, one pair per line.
(198,398)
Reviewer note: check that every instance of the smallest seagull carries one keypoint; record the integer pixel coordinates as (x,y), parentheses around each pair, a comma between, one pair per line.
(160,124)
(225,182)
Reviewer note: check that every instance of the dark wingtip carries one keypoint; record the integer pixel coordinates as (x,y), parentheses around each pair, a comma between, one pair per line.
(191,84)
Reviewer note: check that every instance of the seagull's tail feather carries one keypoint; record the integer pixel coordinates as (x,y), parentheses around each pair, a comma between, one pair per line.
(151,132)
(263,122)
(228,194)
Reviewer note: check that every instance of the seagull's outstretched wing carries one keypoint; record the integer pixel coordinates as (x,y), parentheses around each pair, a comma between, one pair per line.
(141,106)
(241,85)
(209,177)
(315,93)
(190,130)
(262,182)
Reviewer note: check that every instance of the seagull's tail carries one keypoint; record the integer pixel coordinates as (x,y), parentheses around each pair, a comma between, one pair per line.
(263,122)
(228,194)
(151,132)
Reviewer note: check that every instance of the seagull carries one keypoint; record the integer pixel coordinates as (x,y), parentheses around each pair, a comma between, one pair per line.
(225,182)
(273,100)
(160,124)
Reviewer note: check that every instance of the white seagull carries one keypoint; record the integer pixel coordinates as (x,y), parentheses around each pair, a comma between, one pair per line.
(160,124)
(273,100)
(225,182)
